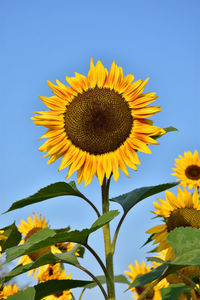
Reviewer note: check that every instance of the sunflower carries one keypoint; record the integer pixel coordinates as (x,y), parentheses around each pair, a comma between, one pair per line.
(137,270)
(2,237)
(98,123)
(183,210)
(188,169)
(28,229)
(54,272)
(8,290)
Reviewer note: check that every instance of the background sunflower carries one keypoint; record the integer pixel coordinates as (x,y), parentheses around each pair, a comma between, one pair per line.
(188,169)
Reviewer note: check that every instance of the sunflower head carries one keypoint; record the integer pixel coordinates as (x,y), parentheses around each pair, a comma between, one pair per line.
(188,169)
(135,271)
(182,210)
(8,290)
(31,227)
(98,123)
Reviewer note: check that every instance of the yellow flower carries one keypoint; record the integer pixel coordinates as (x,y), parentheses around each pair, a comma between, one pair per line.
(183,210)
(2,237)
(53,272)
(137,270)
(28,229)
(98,123)
(188,169)
(8,290)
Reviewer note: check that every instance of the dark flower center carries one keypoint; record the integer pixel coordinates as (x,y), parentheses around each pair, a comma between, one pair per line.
(193,172)
(183,217)
(98,121)
(140,290)
(58,294)
(37,254)
(31,232)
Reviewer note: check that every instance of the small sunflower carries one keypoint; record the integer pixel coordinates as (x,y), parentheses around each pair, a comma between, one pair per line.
(188,169)
(98,123)
(8,290)
(55,272)
(183,210)
(2,237)
(28,229)
(137,270)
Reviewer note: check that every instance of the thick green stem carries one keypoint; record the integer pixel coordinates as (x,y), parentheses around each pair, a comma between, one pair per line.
(107,242)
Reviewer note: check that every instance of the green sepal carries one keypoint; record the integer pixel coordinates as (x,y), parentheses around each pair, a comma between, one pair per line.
(167,129)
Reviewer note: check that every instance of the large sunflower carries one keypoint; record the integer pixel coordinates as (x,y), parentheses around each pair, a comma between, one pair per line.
(137,270)
(29,228)
(188,169)
(55,272)
(8,290)
(98,123)
(183,210)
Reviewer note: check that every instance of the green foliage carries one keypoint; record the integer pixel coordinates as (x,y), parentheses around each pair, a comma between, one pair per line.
(50,258)
(129,200)
(48,288)
(174,291)
(51,191)
(47,237)
(13,237)
(186,244)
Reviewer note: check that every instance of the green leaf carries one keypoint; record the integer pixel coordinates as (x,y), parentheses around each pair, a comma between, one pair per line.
(186,244)
(50,258)
(13,237)
(117,278)
(128,200)
(167,129)
(47,237)
(51,191)
(48,288)
(57,286)
(174,291)
(28,294)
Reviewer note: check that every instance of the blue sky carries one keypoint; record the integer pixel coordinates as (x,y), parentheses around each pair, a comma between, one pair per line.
(47,40)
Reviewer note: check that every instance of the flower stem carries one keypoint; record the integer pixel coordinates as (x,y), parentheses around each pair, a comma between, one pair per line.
(94,278)
(107,242)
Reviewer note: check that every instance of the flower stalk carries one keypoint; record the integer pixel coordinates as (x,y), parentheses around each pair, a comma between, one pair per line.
(107,242)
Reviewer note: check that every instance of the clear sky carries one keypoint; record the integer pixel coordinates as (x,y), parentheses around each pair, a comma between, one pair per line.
(47,40)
